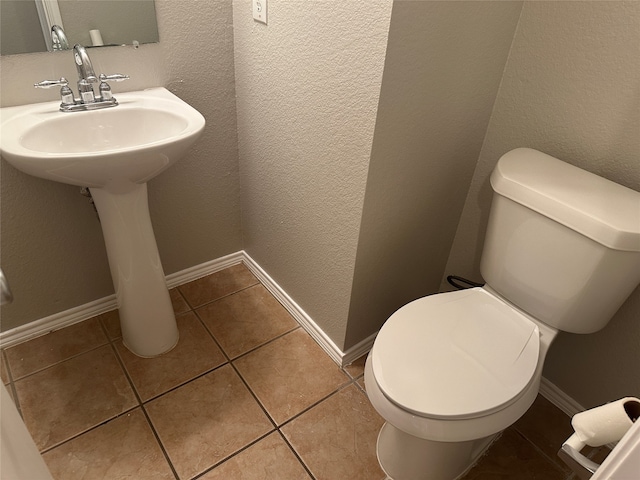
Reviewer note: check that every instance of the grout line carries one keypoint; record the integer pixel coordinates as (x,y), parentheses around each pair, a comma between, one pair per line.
(348,380)
(90,349)
(55,364)
(558,465)
(90,429)
(234,454)
(186,382)
(315,404)
(103,327)
(357,384)
(257,347)
(293,450)
(126,373)
(230,359)
(177,289)
(255,397)
(160,444)
(144,411)
(209,302)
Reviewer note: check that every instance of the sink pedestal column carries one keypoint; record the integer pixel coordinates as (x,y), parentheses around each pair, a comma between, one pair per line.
(146,314)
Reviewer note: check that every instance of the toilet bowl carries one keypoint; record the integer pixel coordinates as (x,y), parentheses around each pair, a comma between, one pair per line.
(449,372)
(480,363)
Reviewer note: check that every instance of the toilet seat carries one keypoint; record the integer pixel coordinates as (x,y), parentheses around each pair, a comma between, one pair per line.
(456,355)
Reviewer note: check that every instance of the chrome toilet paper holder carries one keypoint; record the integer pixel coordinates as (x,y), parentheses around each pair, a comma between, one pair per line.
(596,427)
(577,462)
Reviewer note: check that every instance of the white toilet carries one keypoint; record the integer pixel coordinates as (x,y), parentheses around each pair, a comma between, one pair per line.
(448,372)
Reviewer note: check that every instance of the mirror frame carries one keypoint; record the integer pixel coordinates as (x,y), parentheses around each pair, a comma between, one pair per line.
(49,15)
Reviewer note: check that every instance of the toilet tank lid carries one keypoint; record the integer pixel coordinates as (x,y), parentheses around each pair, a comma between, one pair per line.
(598,208)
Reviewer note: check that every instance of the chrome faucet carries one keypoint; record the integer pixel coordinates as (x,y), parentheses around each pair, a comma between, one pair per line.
(86,75)
(58,38)
(86,78)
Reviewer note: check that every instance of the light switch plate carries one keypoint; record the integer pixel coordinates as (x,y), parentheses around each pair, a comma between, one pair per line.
(260,11)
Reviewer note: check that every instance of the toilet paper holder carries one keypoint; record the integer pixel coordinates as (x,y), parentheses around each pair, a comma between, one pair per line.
(596,427)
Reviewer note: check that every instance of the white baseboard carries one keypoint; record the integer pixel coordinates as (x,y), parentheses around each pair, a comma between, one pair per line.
(358,350)
(193,273)
(97,307)
(296,311)
(57,321)
(559,398)
(88,310)
(83,312)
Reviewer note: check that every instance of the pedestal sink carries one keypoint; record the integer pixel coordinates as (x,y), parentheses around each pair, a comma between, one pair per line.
(114,152)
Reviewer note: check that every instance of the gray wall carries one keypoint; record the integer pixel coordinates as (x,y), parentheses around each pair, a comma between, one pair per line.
(443,67)
(51,243)
(308,87)
(571,89)
(313,165)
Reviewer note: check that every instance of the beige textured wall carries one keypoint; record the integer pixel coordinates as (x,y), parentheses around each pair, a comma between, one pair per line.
(51,244)
(308,87)
(443,67)
(571,89)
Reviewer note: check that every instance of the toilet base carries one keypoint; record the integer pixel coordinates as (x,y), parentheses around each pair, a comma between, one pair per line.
(405,457)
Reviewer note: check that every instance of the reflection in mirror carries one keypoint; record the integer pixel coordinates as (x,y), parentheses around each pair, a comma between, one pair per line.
(26,25)
(59,39)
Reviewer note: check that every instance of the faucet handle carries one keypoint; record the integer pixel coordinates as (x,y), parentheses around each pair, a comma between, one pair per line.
(116,77)
(52,83)
(66,95)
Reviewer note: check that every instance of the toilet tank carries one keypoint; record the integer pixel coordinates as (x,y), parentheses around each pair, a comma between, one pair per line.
(562,244)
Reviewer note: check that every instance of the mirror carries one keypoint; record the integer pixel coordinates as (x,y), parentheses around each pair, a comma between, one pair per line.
(25,25)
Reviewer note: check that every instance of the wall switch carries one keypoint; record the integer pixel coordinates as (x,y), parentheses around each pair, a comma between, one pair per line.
(260,10)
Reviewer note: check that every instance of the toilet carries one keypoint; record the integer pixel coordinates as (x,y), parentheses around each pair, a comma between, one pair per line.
(449,372)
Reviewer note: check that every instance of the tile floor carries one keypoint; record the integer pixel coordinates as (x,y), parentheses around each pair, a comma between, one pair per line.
(246,394)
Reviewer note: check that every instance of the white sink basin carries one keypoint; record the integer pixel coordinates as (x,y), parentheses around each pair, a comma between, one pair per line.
(134,141)
(114,151)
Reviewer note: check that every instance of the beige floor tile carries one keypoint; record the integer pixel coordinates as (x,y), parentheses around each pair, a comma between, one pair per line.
(73,396)
(207,420)
(547,427)
(195,353)
(217,285)
(178,302)
(269,459)
(512,456)
(47,350)
(336,439)
(111,322)
(290,374)
(245,320)
(356,369)
(123,448)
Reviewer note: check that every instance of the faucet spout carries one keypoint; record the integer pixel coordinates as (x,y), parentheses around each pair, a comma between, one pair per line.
(86,75)
(58,38)
(83,64)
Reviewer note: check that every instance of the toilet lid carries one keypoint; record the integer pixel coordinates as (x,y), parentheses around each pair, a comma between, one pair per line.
(459,355)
